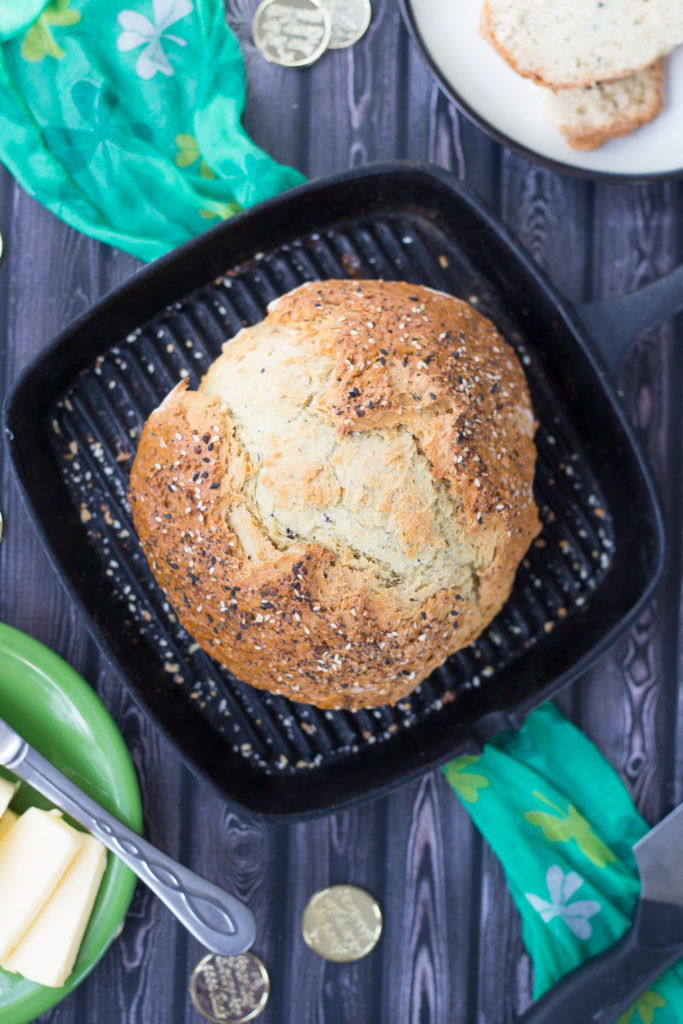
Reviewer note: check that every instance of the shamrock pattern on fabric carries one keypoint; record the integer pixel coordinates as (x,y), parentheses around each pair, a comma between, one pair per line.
(187,155)
(562,826)
(102,156)
(139,31)
(76,147)
(466,784)
(222,210)
(561,888)
(39,41)
(646,1007)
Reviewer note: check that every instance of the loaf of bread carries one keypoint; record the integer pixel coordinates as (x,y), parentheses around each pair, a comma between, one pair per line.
(345,500)
(592,115)
(569,43)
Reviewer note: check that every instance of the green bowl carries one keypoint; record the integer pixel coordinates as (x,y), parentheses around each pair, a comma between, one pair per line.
(53,708)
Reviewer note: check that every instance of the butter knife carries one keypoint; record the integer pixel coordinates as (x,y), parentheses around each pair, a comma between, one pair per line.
(221,922)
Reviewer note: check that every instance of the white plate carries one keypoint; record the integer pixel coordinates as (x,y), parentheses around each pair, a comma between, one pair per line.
(501,100)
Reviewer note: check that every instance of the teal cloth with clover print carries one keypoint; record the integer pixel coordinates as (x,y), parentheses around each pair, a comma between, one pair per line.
(123,117)
(562,825)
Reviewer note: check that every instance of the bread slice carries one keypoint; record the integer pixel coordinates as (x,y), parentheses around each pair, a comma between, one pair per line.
(565,44)
(592,115)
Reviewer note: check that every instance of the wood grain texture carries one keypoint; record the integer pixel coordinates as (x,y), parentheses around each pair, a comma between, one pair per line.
(421,976)
(451,950)
(635,244)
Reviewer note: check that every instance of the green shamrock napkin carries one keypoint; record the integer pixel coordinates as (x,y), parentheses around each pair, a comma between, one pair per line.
(562,824)
(123,117)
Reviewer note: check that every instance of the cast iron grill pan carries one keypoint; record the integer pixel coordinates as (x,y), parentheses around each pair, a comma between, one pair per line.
(581,580)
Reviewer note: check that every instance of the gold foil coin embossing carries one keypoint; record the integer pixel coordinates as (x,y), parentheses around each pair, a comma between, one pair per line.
(342,923)
(350,20)
(230,989)
(293,33)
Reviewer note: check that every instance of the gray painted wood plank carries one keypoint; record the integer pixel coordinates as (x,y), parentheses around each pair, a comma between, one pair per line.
(451,950)
(633,245)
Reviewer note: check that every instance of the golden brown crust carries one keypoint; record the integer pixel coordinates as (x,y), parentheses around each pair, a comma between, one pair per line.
(302,619)
(585,140)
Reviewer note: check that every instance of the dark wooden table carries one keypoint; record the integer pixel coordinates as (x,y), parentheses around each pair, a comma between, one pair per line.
(451,951)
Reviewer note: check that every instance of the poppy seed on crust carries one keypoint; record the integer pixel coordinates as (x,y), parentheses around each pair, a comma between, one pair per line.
(337,552)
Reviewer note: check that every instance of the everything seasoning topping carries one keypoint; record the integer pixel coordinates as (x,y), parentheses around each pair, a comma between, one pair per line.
(441,373)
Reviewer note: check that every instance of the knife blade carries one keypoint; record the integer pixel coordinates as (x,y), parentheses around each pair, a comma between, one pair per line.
(221,922)
(598,991)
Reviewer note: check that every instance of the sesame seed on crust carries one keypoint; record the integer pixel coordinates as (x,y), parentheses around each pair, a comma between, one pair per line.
(359,462)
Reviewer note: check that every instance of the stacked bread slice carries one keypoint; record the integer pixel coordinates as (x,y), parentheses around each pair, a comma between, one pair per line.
(598,62)
(589,115)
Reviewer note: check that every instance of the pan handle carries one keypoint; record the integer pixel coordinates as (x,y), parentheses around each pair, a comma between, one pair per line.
(617,324)
(600,989)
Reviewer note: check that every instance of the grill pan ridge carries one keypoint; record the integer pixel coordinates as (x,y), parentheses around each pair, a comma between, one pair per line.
(269,754)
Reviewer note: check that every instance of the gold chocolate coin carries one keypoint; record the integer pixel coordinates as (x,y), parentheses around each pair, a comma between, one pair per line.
(293,33)
(350,20)
(230,989)
(342,923)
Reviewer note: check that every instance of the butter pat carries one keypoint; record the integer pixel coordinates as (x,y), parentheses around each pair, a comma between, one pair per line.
(48,950)
(7,791)
(34,854)
(6,821)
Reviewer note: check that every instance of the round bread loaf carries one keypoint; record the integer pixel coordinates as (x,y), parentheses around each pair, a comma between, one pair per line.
(345,500)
